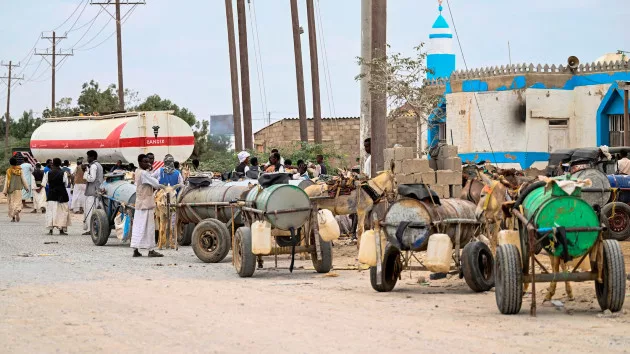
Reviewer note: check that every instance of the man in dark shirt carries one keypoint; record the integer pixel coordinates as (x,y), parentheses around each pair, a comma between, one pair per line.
(322,166)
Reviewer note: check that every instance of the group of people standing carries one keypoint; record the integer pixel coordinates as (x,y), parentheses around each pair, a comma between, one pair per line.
(249,167)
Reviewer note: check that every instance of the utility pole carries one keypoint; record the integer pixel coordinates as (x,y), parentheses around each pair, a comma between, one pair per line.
(236,100)
(366,55)
(378,98)
(244,56)
(116,16)
(54,39)
(312,42)
(7,124)
(299,70)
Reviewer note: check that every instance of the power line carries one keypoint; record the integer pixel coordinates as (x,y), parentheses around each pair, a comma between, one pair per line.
(95,36)
(89,28)
(258,57)
(461,49)
(126,17)
(69,17)
(327,81)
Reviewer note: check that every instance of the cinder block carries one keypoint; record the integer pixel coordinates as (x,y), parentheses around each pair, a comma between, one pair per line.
(403,153)
(427,178)
(433,164)
(388,156)
(441,190)
(453,164)
(455,191)
(404,179)
(415,166)
(447,177)
(440,164)
(447,151)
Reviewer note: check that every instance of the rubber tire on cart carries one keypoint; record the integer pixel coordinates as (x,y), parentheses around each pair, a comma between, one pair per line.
(184,236)
(612,291)
(478,266)
(100,227)
(323,265)
(508,273)
(244,259)
(619,226)
(391,269)
(211,241)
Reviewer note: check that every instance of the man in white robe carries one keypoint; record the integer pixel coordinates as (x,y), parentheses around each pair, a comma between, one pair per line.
(143,230)
(38,189)
(78,192)
(94,178)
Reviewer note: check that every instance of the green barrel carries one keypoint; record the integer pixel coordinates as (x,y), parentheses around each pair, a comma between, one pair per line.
(281,197)
(554,208)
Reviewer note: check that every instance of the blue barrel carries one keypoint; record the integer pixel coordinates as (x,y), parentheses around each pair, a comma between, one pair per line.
(620,181)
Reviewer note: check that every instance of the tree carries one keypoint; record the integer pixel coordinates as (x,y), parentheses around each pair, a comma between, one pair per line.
(402,79)
(24,127)
(156,103)
(93,99)
(63,108)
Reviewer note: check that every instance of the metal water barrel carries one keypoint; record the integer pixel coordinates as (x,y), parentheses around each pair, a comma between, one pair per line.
(554,208)
(281,197)
(600,180)
(413,210)
(620,181)
(211,194)
(120,190)
(302,183)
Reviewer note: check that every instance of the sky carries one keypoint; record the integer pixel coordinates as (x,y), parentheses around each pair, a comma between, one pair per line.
(178,49)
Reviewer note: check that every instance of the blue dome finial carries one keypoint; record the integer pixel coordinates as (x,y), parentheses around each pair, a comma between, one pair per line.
(440,6)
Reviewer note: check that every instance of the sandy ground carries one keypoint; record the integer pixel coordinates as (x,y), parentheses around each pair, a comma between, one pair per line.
(70,296)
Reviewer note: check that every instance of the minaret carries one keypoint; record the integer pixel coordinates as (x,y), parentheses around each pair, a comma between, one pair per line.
(440,57)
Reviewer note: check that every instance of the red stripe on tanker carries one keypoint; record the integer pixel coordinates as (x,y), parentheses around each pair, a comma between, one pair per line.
(115,137)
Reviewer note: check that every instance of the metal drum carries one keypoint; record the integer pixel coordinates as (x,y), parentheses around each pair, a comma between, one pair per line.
(414,211)
(620,181)
(600,180)
(211,194)
(121,191)
(302,184)
(281,197)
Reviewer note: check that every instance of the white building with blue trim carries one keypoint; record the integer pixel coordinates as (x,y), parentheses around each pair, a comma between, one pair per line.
(515,115)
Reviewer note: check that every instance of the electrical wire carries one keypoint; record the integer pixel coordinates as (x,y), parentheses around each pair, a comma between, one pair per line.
(88,30)
(258,58)
(461,49)
(97,34)
(324,54)
(69,17)
(123,20)
(78,17)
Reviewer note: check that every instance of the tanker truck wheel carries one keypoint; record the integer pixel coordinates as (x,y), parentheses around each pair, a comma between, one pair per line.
(612,291)
(211,241)
(244,259)
(478,266)
(509,275)
(618,224)
(100,227)
(323,265)
(391,269)
(184,237)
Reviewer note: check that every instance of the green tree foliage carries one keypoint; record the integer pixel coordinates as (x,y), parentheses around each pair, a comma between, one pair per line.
(156,103)
(94,99)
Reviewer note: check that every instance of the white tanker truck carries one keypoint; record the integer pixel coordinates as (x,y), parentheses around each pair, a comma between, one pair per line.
(120,136)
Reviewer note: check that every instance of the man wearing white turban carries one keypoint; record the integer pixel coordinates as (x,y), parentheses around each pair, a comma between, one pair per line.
(243,166)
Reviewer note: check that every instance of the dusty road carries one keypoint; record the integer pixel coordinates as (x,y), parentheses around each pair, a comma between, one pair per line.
(70,296)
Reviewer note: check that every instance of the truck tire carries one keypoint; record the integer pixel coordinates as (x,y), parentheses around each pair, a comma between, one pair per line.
(618,224)
(478,266)
(391,269)
(211,241)
(184,238)
(100,227)
(244,259)
(612,291)
(509,280)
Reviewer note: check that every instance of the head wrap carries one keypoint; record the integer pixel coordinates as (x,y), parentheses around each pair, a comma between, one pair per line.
(169,163)
(242,156)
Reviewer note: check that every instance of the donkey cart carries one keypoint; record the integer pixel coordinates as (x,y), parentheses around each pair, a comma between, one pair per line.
(409,225)
(566,226)
(282,213)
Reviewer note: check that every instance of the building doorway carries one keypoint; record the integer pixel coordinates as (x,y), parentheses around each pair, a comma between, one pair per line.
(558,134)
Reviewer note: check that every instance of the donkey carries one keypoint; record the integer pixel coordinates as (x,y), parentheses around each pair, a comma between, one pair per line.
(163,197)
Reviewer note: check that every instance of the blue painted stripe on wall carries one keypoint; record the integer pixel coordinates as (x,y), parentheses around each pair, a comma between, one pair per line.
(519,82)
(441,35)
(525,159)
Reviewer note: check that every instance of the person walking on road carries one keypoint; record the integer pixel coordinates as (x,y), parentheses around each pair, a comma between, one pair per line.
(27,172)
(93,177)
(37,188)
(57,212)
(78,191)
(143,230)
(13,185)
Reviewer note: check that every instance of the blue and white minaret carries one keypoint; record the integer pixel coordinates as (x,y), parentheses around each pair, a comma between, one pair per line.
(440,56)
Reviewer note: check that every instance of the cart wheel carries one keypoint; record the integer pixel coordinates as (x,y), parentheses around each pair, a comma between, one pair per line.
(478,266)
(244,259)
(100,226)
(323,265)
(184,237)
(509,280)
(391,268)
(618,224)
(612,291)
(211,241)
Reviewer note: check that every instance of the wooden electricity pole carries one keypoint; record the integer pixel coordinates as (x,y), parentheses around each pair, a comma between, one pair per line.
(54,39)
(299,70)
(236,101)
(378,98)
(116,16)
(7,124)
(244,56)
(366,55)
(312,42)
